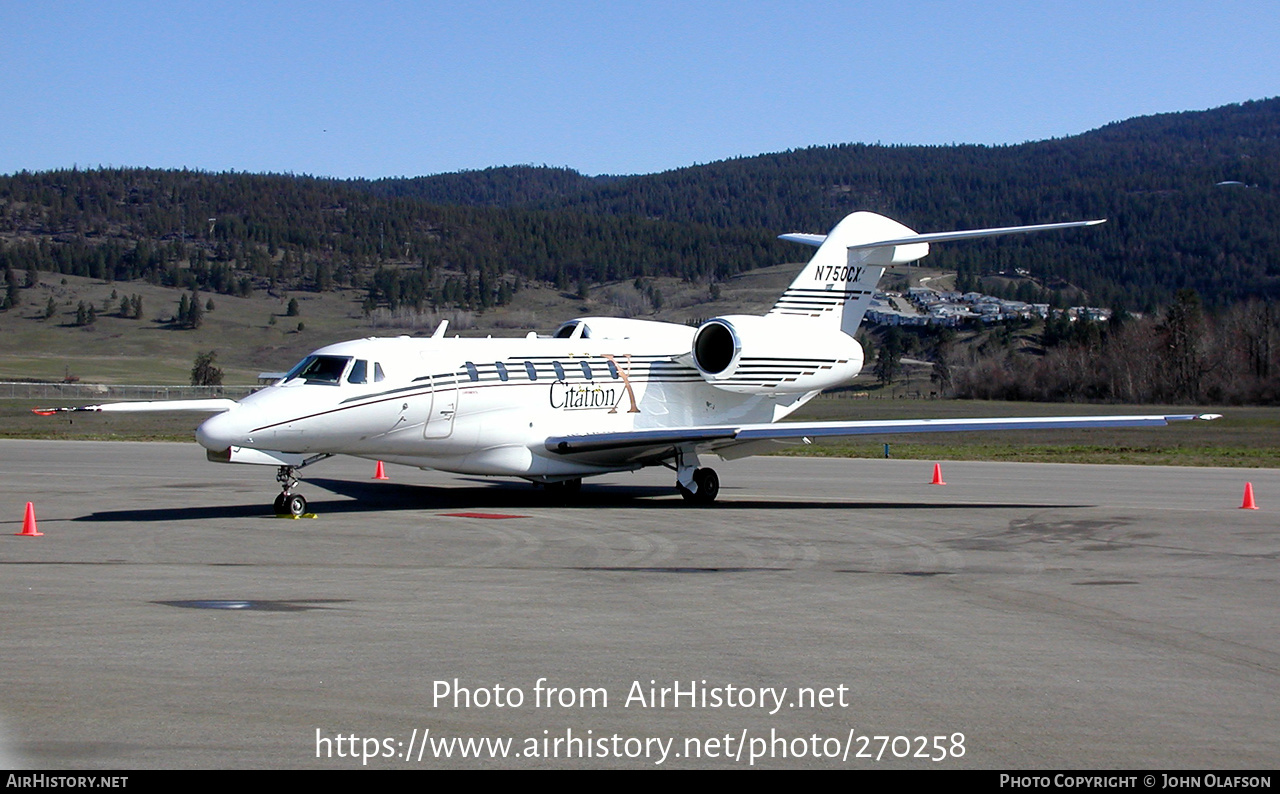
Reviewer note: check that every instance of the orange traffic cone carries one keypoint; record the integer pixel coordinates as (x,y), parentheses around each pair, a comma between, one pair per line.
(29,524)
(937,475)
(1249,504)
(381,473)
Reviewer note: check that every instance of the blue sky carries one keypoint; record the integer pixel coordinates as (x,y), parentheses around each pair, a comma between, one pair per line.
(376,89)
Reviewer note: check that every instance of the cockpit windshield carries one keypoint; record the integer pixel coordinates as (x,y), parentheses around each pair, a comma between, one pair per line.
(319,369)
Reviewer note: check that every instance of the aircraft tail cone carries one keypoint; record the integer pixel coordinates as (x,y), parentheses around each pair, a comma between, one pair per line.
(937,475)
(380,473)
(1248,504)
(29,524)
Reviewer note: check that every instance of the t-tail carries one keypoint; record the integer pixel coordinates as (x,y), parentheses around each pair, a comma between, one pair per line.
(806,342)
(837,285)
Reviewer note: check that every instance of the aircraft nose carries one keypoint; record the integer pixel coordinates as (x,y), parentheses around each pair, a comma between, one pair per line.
(219,432)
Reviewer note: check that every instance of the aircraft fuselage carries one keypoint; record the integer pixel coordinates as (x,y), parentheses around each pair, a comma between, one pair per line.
(485,406)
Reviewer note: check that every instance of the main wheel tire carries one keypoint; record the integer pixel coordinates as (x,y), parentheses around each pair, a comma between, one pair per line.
(278,505)
(295,505)
(708,483)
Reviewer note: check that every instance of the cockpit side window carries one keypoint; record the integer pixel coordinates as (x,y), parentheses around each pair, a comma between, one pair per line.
(378,376)
(320,369)
(359,372)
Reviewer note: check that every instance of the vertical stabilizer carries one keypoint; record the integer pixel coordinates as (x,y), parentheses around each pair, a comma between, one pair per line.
(835,288)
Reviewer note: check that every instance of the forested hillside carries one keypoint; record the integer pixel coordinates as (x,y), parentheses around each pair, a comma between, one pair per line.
(1157,179)
(234,233)
(468,240)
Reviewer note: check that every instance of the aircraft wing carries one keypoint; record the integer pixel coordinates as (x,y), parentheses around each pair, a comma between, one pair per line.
(211,406)
(646,446)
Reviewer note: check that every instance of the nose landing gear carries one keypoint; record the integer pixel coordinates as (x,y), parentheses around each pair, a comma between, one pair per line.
(289,503)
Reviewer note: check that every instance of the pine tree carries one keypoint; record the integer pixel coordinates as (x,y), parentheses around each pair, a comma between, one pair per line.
(1184,333)
(203,372)
(195,312)
(11,288)
(889,361)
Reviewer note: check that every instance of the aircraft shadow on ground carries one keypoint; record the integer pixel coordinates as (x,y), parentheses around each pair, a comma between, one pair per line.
(491,495)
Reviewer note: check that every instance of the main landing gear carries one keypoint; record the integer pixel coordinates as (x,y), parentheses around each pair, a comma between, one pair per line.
(697,485)
(708,483)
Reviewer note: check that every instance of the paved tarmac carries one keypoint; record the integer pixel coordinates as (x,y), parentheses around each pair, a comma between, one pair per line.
(1021,617)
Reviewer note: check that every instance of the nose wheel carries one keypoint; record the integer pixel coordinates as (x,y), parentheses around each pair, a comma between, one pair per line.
(289,503)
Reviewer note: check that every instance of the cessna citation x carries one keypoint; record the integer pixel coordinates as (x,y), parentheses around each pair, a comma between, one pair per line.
(603,394)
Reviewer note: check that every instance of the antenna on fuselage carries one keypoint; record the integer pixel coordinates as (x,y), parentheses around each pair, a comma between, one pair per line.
(440,329)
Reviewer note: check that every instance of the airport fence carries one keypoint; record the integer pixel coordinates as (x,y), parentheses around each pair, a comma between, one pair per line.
(103,391)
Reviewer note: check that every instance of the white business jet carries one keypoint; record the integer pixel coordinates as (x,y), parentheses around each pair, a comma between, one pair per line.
(603,394)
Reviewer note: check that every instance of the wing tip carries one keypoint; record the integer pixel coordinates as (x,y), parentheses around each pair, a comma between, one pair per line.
(64,410)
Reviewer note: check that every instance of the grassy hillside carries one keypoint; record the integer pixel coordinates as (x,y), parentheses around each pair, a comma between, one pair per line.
(152,350)
(255,334)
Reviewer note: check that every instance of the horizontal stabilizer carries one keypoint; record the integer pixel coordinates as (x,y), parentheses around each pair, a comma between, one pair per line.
(815,240)
(944,237)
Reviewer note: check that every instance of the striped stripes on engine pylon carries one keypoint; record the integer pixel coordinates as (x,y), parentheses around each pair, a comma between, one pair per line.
(772,372)
(814,302)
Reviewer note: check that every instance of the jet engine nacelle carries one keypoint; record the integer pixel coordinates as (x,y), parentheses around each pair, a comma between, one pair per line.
(773,355)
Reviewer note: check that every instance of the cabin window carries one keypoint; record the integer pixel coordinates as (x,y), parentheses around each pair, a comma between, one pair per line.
(531,370)
(502,371)
(359,372)
(586,371)
(559,370)
(613,368)
(472,372)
